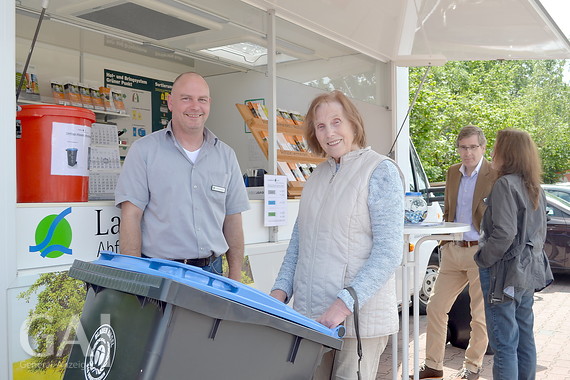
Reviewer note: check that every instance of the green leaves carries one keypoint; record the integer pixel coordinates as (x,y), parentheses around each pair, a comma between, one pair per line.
(493,95)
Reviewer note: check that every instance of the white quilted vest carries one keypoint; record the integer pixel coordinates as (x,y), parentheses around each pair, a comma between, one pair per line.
(335,239)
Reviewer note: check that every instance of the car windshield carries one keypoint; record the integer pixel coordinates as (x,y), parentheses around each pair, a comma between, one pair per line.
(418,179)
(559,202)
(558,190)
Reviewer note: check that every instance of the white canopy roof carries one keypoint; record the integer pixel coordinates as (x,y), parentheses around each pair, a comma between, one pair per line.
(412,32)
(408,32)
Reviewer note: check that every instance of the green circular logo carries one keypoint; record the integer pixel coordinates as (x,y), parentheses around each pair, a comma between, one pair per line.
(53,236)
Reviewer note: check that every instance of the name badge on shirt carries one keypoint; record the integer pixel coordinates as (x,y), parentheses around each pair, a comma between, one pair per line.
(219,189)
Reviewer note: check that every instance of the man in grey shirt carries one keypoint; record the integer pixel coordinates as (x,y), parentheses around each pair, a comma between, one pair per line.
(180,191)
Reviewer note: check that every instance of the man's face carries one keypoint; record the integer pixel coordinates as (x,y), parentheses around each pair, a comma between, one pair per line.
(470,152)
(189,103)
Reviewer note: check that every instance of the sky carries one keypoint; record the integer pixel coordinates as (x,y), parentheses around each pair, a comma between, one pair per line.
(559,10)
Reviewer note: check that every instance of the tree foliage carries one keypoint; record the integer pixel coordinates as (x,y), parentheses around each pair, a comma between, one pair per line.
(60,298)
(493,95)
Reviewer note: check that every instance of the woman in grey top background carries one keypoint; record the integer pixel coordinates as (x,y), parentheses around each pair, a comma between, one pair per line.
(511,259)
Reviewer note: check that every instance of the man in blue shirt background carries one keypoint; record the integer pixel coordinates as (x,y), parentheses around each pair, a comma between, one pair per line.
(467,185)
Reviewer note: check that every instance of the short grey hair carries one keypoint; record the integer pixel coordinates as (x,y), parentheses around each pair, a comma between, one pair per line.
(471,130)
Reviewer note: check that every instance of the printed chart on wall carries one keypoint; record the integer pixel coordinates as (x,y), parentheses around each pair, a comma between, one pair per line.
(145,101)
(275,210)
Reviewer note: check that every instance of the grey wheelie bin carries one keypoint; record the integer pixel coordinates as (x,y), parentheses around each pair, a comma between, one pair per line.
(159,319)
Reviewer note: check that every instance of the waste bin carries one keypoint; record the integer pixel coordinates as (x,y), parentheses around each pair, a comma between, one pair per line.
(52,153)
(159,319)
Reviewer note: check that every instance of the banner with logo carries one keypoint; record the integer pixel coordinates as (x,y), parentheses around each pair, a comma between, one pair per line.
(50,238)
(44,304)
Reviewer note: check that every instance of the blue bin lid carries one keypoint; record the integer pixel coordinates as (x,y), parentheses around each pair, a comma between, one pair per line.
(214,284)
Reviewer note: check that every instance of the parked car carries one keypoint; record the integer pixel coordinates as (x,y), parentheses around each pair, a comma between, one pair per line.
(557,248)
(560,190)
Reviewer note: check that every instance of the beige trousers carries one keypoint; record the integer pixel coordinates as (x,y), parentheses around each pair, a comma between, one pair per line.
(343,364)
(457,269)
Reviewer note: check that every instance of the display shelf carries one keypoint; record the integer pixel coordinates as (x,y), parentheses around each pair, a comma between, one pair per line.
(106,115)
(259,130)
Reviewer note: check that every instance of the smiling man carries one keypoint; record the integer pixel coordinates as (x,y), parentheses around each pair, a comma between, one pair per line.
(181,192)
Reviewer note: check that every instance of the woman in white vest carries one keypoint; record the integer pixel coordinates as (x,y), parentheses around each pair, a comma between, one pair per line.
(349,233)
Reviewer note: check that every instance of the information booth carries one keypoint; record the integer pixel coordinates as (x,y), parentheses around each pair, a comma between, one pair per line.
(135,49)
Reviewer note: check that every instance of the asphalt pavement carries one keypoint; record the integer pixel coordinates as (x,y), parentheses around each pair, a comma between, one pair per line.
(551,331)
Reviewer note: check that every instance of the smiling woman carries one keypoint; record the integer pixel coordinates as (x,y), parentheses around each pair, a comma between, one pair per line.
(346,242)
(334,133)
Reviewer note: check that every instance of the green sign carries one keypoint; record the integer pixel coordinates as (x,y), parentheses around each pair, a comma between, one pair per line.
(133,88)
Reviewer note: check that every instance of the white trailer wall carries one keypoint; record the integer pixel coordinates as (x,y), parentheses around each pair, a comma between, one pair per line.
(227,124)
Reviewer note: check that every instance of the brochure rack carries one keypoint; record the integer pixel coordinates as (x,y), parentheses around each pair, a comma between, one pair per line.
(293,157)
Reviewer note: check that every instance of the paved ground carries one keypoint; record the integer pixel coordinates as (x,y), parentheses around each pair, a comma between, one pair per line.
(551,330)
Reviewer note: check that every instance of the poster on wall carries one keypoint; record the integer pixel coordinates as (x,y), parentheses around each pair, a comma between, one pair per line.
(275,190)
(145,102)
(44,304)
(69,149)
(51,238)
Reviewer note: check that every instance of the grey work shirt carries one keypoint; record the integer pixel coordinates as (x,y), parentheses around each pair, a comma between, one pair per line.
(184,203)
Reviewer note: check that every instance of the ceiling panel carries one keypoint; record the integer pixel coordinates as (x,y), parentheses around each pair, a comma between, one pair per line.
(142,21)
(409,32)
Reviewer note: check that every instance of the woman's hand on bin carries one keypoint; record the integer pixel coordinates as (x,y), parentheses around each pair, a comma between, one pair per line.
(278,294)
(335,314)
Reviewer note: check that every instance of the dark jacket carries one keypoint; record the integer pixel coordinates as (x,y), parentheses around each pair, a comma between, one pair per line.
(512,239)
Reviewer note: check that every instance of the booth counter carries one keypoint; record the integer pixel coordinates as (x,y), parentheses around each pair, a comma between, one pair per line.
(81,230)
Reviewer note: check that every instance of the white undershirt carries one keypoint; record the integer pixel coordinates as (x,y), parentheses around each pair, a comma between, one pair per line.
(192,155)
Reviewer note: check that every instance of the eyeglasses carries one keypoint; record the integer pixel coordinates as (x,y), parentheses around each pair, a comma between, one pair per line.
(465,148)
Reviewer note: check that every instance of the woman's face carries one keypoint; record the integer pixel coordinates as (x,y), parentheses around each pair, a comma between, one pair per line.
(333,131)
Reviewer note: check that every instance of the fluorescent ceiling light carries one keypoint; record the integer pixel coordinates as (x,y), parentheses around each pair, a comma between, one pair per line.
(159,48)
(246,52)
(294,47)
(198,12)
